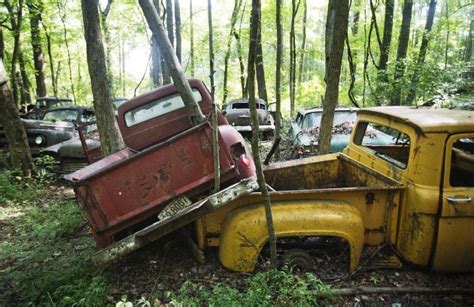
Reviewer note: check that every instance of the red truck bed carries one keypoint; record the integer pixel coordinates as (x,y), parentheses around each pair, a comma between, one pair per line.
(128,187)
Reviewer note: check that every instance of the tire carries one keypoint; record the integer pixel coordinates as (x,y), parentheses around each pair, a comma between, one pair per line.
(297,259)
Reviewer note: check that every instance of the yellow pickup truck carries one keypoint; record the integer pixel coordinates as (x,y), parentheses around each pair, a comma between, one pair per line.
(405,179)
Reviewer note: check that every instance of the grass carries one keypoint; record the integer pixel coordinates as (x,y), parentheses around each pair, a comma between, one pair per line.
(45,257)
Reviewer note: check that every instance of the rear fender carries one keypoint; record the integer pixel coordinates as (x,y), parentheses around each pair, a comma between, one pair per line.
(244,231)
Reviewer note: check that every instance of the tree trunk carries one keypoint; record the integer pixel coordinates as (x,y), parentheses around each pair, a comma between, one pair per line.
(15,133)
(260,68)
(156,69)
(240,54)
(51,61)
(356,17)
(215,129)
(233,21)
(191,36)
(468,51)
(303,43)
(108,43)
(169,21)
(182,85)
(25,87)
(402,51)
(254,29)
(336,29)
(387,38)
(62,16)
(110,137)
(16,19)
(38,58)
(279,63)
(422,54)
(294,11)
(2,44)
(177,18)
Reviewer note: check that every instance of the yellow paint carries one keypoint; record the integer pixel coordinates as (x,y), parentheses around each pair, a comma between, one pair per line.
(245,229)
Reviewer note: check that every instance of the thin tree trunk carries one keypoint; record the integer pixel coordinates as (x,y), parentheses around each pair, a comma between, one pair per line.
(279,63)
(294,12)
(110,137)
(303,43)
(108,43)
(356,17)
(336,32)
(123,68)
(177,18)
(191,36)
(25,93)
(447,36)
(240,54)
(62,16)
(38,58)
(2,44)
(468,51)
(387,38)
(182,85)
(170,29)
(51,60)
(260,69)
(156,69)
(422,54)
(254,29)
(215,129)
(20,154)
(402,51)
(233,21)
(16,19)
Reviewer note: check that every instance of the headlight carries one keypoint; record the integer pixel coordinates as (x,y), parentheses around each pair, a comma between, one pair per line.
(39,140)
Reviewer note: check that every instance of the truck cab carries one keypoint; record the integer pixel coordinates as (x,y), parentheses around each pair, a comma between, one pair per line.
(431,153)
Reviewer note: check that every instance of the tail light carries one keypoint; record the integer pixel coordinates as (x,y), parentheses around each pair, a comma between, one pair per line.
(244,161)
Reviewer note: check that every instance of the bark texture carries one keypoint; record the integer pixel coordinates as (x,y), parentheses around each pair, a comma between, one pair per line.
(468,51)
(191,36)
(260,68)
(182,85)
(156,69)
(336,30)
(254,29)
(402,51)
(38,57)
(279,62)
(110,137)
(15,133)
(387,37)
(177,18)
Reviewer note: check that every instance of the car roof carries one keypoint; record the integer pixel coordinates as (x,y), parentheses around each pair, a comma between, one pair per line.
(79,108)
(52,98)
(319,109)
(427,119)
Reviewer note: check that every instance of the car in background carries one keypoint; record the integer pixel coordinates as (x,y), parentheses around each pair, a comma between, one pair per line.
(37,110)
(57,125)
(306,126)
(237,113)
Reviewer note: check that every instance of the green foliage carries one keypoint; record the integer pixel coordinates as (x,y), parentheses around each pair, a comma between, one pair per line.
(46,258)
(269,288)
(47,169)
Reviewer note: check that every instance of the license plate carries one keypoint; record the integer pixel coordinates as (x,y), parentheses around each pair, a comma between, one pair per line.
(175,207)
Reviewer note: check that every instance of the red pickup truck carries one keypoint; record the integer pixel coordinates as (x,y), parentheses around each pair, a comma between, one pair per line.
(166,159)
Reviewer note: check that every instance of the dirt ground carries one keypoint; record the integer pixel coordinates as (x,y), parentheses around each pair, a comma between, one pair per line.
(168,263)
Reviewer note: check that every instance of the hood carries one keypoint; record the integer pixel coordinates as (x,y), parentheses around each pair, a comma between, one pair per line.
(71,148)
(42,124)
(242,117)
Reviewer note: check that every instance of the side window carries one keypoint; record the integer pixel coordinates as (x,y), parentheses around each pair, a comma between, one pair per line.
(386,142)
(462,163)
(157,108)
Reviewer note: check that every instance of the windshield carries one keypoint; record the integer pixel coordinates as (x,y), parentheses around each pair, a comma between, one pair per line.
(157,108)
(313,120)
(61,115)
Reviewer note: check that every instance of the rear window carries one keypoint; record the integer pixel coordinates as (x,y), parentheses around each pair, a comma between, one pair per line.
(157,108)
(385,142)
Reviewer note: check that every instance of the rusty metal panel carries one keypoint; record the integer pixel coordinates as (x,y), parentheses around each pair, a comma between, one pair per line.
(125,188)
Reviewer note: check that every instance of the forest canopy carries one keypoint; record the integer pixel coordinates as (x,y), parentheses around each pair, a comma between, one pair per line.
(56,26)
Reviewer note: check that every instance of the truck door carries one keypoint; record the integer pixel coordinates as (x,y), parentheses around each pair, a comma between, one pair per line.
(455,241)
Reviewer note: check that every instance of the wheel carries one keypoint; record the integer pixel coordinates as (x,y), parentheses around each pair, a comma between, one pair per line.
(297,259)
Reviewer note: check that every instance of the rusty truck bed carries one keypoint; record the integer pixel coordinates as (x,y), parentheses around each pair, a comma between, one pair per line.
(128,187)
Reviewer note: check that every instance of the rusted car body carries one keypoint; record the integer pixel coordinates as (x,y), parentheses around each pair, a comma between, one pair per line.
(166,158)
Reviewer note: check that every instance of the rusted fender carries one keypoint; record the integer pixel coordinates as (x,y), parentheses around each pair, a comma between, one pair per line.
(245,230)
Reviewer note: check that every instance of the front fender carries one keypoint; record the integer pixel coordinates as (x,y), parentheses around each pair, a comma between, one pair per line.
(244,231)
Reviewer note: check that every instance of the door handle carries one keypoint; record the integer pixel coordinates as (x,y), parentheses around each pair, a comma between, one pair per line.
(459,200)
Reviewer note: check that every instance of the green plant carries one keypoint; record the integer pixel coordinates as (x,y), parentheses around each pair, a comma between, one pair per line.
(47,169)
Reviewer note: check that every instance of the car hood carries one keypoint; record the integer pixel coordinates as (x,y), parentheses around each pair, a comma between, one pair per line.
(242,116)
(71,148)
(42,124)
